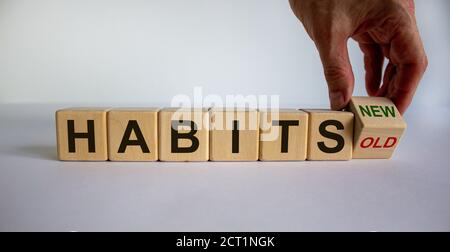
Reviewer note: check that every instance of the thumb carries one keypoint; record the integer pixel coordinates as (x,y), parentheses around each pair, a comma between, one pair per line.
(338,71)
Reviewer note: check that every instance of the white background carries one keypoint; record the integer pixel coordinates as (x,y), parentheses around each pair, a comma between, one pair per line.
(111,52)
(144,52)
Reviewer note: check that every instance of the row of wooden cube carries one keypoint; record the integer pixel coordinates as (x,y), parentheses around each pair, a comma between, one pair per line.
(371,129)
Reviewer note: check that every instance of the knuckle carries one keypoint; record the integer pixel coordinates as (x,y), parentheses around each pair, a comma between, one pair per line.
(335,74)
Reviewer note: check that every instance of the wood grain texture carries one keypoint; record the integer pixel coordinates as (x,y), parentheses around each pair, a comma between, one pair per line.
(288,142)
(184,141)
(133,134)
(83,121)
(378,127)
(245,135)
(330,135)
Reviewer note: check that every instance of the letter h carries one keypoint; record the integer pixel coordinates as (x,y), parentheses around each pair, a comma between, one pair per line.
(72,135)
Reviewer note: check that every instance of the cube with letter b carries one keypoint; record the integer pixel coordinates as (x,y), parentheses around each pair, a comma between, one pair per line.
(81,134)
(330,135)
(133,134)
(378,127)
(183,134)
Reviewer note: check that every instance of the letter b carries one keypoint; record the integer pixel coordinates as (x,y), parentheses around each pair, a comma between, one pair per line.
(176,135)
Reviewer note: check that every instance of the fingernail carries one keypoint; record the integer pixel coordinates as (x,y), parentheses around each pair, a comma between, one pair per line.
(337,100)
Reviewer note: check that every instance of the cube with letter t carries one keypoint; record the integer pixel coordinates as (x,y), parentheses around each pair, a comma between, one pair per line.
(378,127)
(81,134)
(283,135)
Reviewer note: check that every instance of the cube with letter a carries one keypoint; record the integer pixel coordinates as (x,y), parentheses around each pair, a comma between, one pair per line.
(133,134)
(378,127)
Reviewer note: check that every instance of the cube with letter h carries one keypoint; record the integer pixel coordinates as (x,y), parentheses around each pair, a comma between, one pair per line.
(378,127)
(81,134)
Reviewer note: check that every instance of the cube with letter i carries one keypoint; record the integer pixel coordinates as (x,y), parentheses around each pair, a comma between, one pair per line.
(378,127)
(234,134)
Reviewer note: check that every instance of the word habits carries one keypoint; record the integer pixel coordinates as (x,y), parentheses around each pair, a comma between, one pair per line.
(371,128)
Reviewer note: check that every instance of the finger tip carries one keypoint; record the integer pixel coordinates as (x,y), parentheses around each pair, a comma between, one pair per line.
(371,88)
(338,100)
(401,110)
(401,104)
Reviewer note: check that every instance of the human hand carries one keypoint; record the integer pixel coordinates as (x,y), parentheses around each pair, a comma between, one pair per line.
(383,29)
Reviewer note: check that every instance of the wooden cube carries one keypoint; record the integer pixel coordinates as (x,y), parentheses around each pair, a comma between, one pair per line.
(133,134)
(81,134)
(330,135)
(283,135)
(378,127)
(183,134)
(234,135)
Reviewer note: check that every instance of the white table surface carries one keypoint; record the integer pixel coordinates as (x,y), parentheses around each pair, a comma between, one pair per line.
(410,192)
